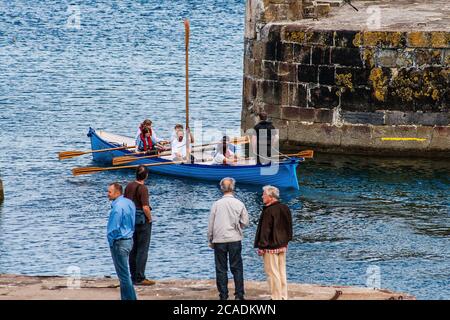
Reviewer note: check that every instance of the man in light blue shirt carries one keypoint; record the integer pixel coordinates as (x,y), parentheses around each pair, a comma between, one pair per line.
(120,237)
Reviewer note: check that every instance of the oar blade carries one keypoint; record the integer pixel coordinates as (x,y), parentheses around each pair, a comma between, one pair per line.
(123,160)
(306,154)
(87,170)
(69,154)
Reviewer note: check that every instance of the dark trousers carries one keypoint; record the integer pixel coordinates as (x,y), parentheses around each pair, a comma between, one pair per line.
(221,253)
(139,252)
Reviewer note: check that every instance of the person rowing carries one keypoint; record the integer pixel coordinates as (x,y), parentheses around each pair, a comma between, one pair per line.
(145,142)
(158,143)
(223,153)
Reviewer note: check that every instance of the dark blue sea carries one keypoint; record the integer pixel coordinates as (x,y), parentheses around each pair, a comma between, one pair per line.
(109,64)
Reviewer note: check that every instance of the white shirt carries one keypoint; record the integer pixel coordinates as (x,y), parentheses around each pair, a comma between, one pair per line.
(178,147)
(219,157)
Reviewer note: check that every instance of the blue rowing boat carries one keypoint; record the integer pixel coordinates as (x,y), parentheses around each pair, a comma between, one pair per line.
(284,177)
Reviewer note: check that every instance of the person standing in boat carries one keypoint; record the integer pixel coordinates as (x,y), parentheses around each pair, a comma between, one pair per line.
(177,128)
(120,237)
(265,136)
(137,192)
(178,146)
(273,234)
(227,219)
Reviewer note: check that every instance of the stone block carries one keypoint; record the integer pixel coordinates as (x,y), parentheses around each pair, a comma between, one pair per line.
(358,76)
(379,132)
(270,70)
(356,136)
(319,134)
(344,38)
(287,72)
(323,97)
(324,115)
(424,57)
(346,57)
(320,55)
(440,138)
(301,54)
(417,118)
(298,114)
(393,58)
(297,95)
(358,99)
(372,118)
(307,73)
(326,75)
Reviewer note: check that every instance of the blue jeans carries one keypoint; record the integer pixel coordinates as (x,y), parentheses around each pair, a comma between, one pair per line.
(120,252)
(221,253)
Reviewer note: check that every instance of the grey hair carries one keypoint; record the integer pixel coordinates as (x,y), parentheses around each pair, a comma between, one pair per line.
(272,191)
(229,187)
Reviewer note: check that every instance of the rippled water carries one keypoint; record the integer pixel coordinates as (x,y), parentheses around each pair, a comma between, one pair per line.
(126,62)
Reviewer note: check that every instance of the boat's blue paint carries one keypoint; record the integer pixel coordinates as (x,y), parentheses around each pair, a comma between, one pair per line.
(285,177)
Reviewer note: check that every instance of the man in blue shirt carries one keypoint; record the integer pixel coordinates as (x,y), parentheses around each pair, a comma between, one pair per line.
(120,237)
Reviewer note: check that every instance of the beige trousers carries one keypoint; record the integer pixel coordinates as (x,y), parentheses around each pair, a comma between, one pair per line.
(275,268)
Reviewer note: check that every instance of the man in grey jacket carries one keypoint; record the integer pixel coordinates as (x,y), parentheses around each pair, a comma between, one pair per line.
(227,219)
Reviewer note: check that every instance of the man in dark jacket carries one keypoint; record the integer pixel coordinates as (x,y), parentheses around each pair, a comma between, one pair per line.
(265,137)
(272,237)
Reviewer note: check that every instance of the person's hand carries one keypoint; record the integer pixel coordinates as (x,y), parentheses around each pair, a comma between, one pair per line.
(211,245)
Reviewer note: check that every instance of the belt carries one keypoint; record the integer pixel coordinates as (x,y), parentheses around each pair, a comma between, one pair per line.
(121,239)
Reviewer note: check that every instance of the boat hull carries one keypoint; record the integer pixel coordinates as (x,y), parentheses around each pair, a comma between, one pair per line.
(284,177)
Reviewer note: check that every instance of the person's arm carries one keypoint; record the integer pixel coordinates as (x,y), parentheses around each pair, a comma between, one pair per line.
(212,216)
(138,139)
(148,213)
(266,230)
(244,219)
(145,201)
(114,222)
(291,231)
(254,141)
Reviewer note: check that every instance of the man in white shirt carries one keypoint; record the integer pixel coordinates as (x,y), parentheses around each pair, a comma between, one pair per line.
(178,146)
(227,219)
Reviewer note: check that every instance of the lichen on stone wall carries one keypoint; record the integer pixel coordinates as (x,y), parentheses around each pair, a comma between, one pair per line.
(379,83)
(344,80)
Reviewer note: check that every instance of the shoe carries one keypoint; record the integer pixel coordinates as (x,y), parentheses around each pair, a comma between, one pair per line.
(239,298)
(146,282)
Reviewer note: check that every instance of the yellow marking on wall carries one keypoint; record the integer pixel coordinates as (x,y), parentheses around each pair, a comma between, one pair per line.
(403,139)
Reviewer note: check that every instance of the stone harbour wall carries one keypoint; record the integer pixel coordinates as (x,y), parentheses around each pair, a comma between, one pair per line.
(343,89)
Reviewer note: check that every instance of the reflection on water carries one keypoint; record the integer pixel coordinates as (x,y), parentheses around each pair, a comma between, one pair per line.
(126,63)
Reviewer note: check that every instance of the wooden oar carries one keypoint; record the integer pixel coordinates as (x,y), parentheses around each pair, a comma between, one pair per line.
(72,154)
(117,161)
(301,154)
(89,170)
(131,158)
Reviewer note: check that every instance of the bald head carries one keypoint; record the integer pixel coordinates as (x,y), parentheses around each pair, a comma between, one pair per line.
(227,185)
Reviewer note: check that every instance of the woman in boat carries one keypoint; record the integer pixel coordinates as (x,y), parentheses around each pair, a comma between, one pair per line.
(158,143)
(145,142)
(223,153)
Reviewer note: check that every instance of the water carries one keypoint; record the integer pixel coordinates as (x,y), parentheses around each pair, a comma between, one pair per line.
(125,63)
